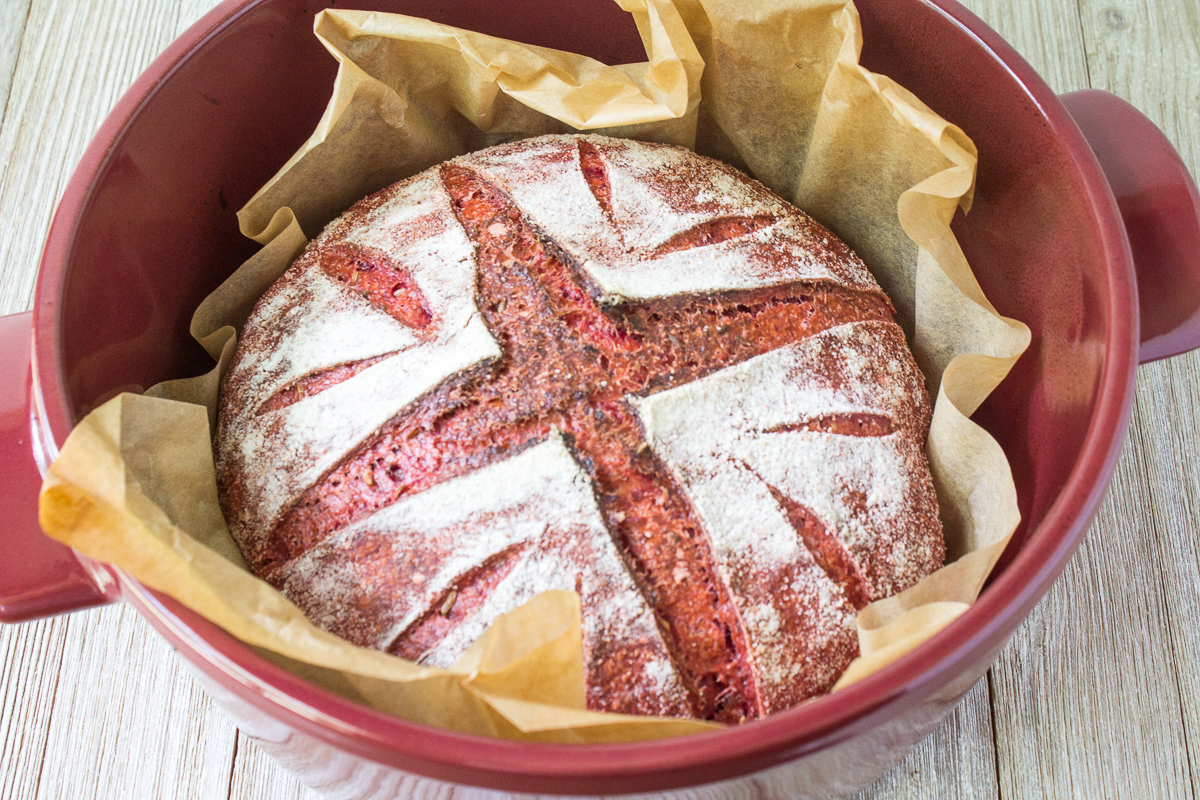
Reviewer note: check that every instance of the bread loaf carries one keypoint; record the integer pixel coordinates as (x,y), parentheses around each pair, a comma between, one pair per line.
(575,362)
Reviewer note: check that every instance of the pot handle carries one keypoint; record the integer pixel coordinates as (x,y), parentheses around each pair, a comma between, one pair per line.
(39,577)
(1161,210)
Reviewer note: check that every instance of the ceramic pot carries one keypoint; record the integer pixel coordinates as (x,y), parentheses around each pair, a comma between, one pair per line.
(1085,225)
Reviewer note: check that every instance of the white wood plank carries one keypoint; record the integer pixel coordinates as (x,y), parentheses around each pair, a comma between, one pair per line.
(957,762)
(1087,698)
(256,775)
(1149,53)
(76,59)
(13,14)
(1170,443)
(1086,701)
(57,716)
(1046,33)
(128,722)
(30,655)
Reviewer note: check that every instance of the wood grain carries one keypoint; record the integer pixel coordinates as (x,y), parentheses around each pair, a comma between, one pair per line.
(59,96)
(256,775)
(1149,53)
(12,26)
(957,762)
(32,655)
(1168,446)
(1046,33)
(1098,695)
(94,704)
(159,736)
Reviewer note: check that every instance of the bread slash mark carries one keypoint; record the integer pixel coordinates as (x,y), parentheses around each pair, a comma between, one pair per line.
(466,594)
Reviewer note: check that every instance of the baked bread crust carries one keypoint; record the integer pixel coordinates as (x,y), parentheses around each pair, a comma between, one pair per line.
(575,362)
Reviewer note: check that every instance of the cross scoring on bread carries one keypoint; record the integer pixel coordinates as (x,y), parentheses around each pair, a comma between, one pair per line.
(568,363)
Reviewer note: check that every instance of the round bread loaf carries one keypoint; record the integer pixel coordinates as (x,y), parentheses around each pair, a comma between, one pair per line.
(591,364)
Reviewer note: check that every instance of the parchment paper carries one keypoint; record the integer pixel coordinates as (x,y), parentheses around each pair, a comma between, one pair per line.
(773,87)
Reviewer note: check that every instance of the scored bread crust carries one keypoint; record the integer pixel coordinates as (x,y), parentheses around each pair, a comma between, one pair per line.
(575,362)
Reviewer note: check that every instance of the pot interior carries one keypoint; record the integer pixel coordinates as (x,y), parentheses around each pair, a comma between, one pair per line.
(1033,239)
(158,232)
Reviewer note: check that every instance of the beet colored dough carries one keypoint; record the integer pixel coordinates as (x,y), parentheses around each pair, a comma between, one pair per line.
(583,363)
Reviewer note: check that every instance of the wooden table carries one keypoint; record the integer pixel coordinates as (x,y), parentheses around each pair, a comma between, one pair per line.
(1098,694)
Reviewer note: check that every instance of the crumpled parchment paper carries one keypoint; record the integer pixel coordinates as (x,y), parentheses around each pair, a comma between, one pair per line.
(773,87)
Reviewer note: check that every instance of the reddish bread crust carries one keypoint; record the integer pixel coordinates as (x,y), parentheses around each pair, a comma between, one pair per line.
(574,358)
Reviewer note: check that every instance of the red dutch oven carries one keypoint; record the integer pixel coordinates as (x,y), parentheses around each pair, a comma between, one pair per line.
(1086,226)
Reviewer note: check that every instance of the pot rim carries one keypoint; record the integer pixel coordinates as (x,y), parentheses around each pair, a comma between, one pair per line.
(667,762)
